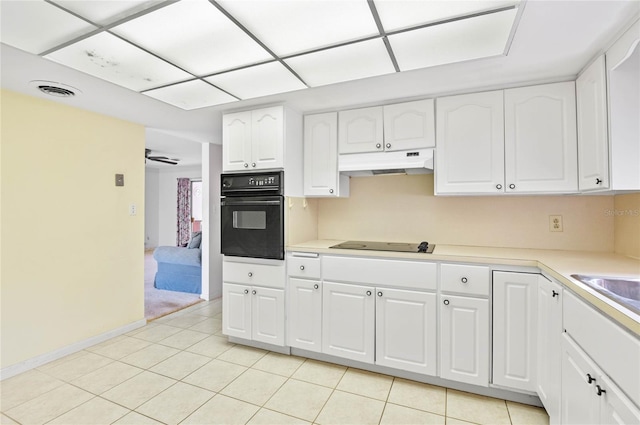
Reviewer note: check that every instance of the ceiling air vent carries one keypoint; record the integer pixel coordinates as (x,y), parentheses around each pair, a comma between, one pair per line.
(55,89)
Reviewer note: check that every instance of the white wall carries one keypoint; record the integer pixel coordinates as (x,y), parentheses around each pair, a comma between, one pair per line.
(151,207)
(167,201)
(211,257)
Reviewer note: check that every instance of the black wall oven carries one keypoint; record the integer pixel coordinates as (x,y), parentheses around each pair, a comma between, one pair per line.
(252,215)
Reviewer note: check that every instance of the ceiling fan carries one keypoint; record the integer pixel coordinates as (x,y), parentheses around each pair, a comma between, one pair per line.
(164,159)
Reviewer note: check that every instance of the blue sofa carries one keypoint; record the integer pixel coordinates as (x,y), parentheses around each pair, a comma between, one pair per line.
(179,269)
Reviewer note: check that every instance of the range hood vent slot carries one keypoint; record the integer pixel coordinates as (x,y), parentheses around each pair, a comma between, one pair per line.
(384,163)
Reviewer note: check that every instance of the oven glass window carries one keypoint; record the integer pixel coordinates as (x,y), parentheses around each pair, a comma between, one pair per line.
(256,220)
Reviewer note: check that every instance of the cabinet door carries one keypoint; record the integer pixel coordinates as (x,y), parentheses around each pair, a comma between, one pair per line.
(348,327)
(236,310)
(304,314)
(470,143)
(406,330)
(615,407)
(514,329)
(360,130)
(549,351)
(464,339)
(267,138)
(541,153)
(593,142)
(409,125)
(267,315)
(236,141)
(321,154)
(579,405)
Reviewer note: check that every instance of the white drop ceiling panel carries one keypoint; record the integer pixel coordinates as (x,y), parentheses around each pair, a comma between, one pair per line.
(350,62)
(104,12)
(457,41)
(195,36)
(106,56)
(399,14)
(36,26)
(256,81)
(191,95)
(290,26)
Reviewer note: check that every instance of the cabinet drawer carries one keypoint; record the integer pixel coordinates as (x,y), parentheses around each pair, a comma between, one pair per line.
(254,274)
(305,267)
(473,280)
(615,350)
(373,271)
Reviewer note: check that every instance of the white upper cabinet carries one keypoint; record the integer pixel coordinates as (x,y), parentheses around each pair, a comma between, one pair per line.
(397,127)
(361,130)
(623,69)
(540,139)
(236,141)
(409,125)
(321,177)
(470,143)
(593,137)
(267,138)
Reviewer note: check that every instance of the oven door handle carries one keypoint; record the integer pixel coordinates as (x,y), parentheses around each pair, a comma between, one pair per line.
(226,202)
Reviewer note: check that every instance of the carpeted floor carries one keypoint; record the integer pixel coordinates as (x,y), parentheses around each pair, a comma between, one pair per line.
(157,302)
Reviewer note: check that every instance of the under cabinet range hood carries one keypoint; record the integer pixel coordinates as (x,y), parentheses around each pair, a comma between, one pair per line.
(419,161)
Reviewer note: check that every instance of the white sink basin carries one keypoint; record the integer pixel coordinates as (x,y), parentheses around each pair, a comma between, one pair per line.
(624,291)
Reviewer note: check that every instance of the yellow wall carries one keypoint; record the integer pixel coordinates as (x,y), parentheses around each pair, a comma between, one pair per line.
(71,255)
(627,224)
(403,209)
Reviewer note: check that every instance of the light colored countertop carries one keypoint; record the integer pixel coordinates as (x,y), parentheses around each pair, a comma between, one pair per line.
(559,265)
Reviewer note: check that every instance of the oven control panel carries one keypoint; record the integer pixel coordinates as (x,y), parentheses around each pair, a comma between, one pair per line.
(267,182)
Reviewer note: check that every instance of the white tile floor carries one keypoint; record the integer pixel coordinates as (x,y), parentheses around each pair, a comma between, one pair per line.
(180,369)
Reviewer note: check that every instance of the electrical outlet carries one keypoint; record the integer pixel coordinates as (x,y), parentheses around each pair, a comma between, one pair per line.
(555,223)
(133,210)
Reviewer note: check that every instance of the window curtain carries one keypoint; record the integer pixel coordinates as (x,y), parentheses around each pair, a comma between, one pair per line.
(184,212)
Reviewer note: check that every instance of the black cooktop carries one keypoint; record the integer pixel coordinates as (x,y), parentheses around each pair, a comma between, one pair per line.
(422,247)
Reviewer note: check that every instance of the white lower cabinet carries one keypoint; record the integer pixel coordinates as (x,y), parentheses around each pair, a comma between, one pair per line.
(588,395)
(406,330)
(304,314)
(514,329)
(464,339)
(549,351)
(254,313)
(348,326)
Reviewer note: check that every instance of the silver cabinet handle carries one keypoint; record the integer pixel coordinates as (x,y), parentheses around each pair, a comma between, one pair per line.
(246,291)
(316,286)
(368,293)
(464,280)
(253,165)
(498,186)
(301,267)
(378,145)
(388,145)
(446,302)
(512,186)
(250,274)
(254,292)
(379,293)
(330,190)
(246,165)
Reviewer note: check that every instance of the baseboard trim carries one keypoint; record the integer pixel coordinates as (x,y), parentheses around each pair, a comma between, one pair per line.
(38,361)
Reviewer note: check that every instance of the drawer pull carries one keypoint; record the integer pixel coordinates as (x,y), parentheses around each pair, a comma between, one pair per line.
(379,293)
(368,293)
(590,378)
(600,390)
(446,302)
(554,293)
(254,292)
(246,291)
(316,286)
(246,165)
(301,267)
(250,274)
(464,280)
(253,165)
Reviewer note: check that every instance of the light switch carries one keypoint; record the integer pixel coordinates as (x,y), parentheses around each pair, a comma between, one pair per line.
(119,179)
